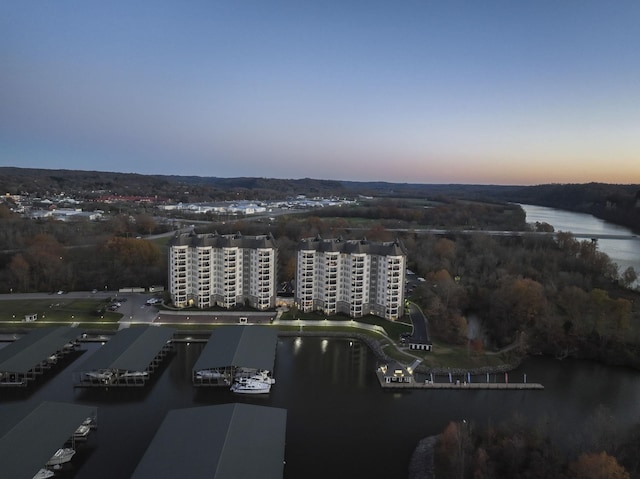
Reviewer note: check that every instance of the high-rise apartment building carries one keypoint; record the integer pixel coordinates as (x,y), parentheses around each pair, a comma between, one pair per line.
(208,270)
(355,277)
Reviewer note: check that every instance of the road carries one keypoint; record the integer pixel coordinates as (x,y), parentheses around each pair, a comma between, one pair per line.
(419,322)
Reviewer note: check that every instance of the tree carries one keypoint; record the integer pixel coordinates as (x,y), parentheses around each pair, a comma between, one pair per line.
(445,248)
(20,270)
(145,223)
(543,227)
(515,306)
(45,256)
(629,276)
(377,232)
(529,300)
(597,466)
(5,212)
(456,446)
(131,261)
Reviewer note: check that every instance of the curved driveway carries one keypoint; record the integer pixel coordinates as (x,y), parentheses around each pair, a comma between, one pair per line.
(419,322)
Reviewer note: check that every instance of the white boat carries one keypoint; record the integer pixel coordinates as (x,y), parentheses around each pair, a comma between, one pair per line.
(251,386)
(262,375)
(82,432)
(210,374)
(61,456)
(102,376)
(134,374)
(257,378)
(43,474)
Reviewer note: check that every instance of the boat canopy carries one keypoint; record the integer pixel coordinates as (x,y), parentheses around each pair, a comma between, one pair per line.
(26,353)
(239,346)
(131,349)
(29,435)
(226,441)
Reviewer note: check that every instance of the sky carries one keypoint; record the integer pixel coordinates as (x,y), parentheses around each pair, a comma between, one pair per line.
(468,92)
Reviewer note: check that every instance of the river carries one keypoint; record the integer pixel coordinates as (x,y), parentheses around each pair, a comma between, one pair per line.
(624,252)
(340,423)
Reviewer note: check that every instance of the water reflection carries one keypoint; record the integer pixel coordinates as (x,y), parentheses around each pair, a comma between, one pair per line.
(297,344)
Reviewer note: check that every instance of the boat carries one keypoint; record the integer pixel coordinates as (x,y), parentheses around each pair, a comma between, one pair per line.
(43,474)
(101,376)
(134,374)
(82,432)
(210,374)
(261,375)
(61,456)
(251,386)
(91,422)
(257,378)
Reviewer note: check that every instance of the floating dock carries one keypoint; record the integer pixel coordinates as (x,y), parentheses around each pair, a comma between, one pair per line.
(455,385)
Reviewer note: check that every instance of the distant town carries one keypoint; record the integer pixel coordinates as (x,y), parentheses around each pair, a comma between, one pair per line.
(66,208)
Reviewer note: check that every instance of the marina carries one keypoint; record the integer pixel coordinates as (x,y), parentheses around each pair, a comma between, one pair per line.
(330,391)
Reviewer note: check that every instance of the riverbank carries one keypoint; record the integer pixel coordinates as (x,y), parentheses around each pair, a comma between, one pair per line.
(421,464)
(377,348)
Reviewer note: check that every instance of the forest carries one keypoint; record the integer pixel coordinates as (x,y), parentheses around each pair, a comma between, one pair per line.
(518,450)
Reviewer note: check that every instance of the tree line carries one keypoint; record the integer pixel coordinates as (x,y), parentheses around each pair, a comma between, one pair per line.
(517,449)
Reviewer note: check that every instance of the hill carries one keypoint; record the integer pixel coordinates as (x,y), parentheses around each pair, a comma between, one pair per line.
(618,204)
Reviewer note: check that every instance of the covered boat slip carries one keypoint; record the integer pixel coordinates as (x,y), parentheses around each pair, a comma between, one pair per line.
(227,441)
(26,358)
(233,347)
(127,359)
(30,437)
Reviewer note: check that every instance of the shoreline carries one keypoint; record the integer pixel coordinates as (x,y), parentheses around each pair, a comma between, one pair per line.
(372,344)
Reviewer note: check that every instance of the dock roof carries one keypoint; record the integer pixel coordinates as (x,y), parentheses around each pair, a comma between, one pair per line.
(246,346)
(28,440)
(226,441)
(131,349)
(29,351)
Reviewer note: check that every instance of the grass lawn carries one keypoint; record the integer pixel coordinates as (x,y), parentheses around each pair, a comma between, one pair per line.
(460,357)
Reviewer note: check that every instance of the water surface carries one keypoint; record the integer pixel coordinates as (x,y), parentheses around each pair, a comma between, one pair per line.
(340,422)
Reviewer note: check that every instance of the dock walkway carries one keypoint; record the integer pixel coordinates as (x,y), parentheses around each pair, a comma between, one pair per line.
(455,385)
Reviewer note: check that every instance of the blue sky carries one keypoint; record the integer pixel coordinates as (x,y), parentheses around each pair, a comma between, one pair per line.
(504,92)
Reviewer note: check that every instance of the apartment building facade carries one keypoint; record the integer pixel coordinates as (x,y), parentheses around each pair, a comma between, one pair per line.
(354,277)
(207,270)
